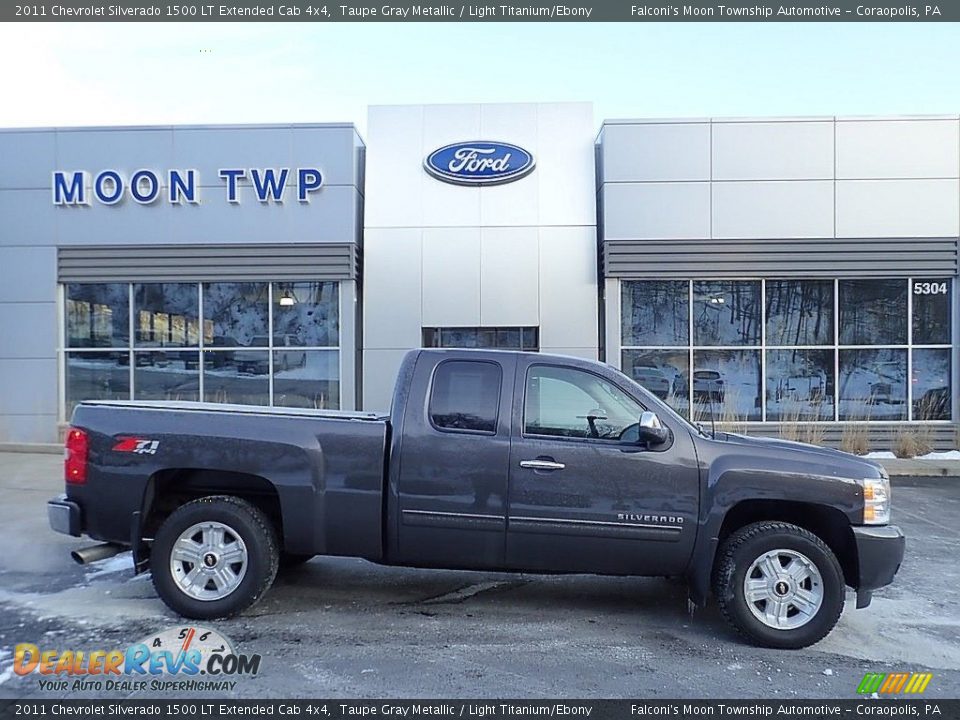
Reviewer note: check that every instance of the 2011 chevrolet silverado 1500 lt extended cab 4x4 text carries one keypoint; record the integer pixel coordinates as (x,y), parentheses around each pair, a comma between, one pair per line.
(490,461)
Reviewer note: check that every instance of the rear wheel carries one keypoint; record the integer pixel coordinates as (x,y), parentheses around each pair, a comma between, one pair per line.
(214,557)
(779,585)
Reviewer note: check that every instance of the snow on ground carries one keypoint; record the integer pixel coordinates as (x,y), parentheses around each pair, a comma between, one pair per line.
(110,565)
(887,455)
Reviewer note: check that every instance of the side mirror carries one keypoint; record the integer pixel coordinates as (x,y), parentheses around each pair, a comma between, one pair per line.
(650,429)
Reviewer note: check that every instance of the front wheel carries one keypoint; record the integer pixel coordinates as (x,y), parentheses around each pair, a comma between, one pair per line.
(214,557)
(779,585)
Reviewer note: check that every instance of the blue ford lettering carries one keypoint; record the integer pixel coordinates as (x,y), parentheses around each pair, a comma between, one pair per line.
(479,163)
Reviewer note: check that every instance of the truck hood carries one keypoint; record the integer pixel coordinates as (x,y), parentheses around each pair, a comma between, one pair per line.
(795,455)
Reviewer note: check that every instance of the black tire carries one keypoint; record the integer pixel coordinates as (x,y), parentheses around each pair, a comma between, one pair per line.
(292,560)
(748,544)
(248,523)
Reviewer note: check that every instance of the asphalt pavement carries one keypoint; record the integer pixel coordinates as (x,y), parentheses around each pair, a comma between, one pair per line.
(347,628)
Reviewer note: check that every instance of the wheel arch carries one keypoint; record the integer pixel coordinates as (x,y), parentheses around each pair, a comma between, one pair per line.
(826,522)
(173,487)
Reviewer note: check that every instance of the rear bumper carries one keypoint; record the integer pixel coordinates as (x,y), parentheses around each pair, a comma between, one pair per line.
(879,552)
(64,516)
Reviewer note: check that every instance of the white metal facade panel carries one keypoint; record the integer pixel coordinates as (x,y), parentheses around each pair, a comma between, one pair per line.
(772,151)
(914,148)
(898,208)
(451,277)
(379,376)
(27,158)
(655,152)
(504,252)
(29,386)
(392,270)
(28,274)
(785,209)
(568,289)
(656,210)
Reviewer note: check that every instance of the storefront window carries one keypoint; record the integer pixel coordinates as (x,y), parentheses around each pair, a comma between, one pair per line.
(873,312)
(799,385)
(247,382)
(97,316)
(665,373)
(655,313)
(873,384)
(166,314)
(932,389)
(799,312)
(237,313)
(233,364)
(726,312)
(493,338)
(166,375)
(306,314)
(830,349)
(96,376)
(726,385)
(932,302)
(308,379)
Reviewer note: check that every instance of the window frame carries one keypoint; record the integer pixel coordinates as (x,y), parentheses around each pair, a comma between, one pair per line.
(465,431)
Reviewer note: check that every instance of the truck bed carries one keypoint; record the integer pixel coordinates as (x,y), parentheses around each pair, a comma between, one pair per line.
(326,467)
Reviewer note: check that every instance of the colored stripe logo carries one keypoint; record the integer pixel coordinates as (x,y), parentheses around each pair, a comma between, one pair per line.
(894,683)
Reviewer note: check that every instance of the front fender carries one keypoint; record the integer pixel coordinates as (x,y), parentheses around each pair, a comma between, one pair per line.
(732,478)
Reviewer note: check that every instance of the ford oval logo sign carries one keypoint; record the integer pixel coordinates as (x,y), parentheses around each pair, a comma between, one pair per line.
(479,163)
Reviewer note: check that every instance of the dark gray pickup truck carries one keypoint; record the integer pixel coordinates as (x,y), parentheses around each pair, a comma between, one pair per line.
(490,461)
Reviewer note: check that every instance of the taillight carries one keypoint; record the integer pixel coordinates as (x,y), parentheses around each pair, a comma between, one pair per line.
(75,461)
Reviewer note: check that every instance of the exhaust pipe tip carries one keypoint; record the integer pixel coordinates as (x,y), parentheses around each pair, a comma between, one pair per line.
(87,555)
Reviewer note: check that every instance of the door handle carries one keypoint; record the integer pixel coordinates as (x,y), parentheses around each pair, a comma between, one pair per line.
(541,465)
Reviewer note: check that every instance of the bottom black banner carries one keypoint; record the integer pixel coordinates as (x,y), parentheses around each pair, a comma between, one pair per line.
(213,709)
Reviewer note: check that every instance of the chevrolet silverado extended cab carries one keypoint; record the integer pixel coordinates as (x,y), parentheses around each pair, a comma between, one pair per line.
(489,461)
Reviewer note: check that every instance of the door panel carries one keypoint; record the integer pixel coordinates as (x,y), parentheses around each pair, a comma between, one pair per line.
(593,504)
(454,465)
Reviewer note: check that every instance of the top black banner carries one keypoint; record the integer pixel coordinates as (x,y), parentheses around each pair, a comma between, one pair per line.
(399,11)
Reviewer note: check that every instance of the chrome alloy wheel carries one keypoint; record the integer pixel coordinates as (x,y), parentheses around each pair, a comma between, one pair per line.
(783,589)
(208,561)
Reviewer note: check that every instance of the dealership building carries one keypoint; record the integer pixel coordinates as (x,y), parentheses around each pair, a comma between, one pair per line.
(780,276)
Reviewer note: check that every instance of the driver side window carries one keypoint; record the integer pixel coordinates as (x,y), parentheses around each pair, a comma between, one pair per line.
(566,402)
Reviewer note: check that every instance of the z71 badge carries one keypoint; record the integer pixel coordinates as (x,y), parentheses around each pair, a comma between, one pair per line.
(140,446)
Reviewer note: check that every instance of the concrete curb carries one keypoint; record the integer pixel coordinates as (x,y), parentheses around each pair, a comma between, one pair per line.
(921,468)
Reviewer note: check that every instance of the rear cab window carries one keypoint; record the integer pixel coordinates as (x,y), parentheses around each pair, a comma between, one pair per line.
(465,396)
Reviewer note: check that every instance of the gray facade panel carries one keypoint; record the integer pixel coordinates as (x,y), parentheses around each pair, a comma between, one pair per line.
(706,258)
(198,263)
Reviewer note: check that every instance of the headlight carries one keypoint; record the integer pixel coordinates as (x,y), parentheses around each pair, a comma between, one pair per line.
(876,501)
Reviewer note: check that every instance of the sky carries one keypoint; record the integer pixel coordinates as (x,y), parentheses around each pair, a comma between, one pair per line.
(59,74)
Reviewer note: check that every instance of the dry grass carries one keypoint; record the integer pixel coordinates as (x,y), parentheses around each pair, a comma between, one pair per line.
(794,427)
(730,418)
(855,438)
(815,433)
(904,443)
